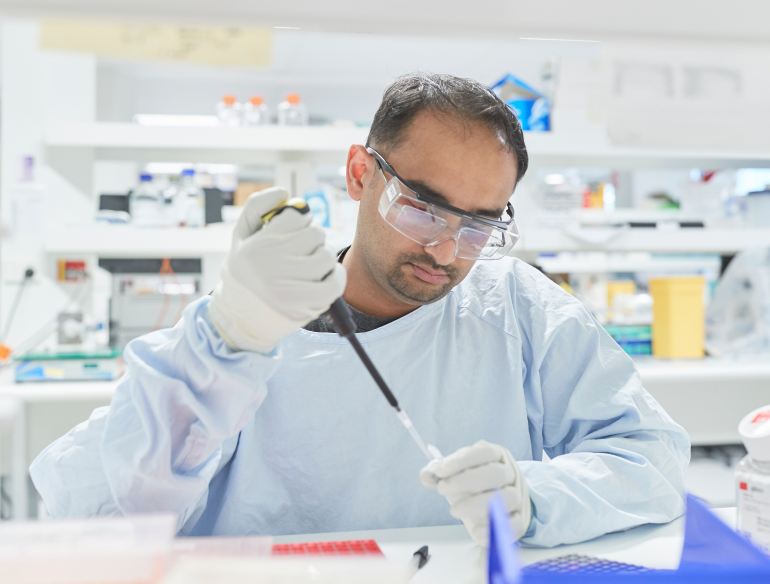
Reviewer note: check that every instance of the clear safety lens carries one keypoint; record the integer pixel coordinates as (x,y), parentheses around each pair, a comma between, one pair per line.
(430,225)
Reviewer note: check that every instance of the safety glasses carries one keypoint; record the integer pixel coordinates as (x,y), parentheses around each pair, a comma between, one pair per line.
(429,221)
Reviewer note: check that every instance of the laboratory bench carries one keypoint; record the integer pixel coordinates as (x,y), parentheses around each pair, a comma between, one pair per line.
(708,397)
(456,559)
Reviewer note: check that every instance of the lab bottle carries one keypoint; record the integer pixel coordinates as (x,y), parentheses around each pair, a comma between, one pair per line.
(292,112)
(144,203)
(752,479)
(229,111)
(255,112)
(192,200)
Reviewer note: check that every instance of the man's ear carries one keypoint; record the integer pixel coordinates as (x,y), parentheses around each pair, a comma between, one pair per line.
(359,172)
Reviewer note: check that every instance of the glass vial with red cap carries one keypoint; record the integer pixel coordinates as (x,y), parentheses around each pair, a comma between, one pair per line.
(752,479)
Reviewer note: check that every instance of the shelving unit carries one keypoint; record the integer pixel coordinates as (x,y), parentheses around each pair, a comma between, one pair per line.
(688,240)
(554,149)
(617,263)
(322,144)
(263,144)
(127,241)
(120,241)
(111,140)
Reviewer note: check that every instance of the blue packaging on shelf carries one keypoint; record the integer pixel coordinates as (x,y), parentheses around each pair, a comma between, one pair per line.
(531,107)
(320,207)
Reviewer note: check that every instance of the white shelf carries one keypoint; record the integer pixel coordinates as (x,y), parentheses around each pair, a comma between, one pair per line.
(127,241)
(708,368)
(690,240)
(121,241)
(576,266)
(115,140)
(577,150)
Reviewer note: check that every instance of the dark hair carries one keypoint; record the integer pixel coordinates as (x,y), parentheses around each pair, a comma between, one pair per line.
(464,99)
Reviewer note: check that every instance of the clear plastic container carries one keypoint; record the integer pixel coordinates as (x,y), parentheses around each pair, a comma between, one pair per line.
(229,111)
(292,112)
(752,479)
(191,200)
(144,203)
(255,112)
(171,203)
(99,550)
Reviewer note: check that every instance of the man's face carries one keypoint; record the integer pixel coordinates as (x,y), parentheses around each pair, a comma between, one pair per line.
(465,165)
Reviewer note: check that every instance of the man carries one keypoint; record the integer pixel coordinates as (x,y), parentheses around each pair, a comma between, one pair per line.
(242,422)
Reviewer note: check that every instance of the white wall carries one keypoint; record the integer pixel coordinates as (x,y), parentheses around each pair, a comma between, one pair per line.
(36,88)
(340,76)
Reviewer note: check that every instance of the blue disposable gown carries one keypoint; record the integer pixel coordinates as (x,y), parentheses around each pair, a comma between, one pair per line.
(302,441)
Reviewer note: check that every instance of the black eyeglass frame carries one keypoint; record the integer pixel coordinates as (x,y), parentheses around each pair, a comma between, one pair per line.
(496,223)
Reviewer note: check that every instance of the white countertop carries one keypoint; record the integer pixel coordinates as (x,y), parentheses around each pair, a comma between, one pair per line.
(456,559)
(51,391)
(652,368)
(649,368)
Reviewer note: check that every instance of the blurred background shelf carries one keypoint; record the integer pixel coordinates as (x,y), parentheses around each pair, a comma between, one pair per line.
(695,240)
(118,240)
(627,263)
(120,141)
(128,241)
(127,141)
(121,241)
(559,149)
(730,388)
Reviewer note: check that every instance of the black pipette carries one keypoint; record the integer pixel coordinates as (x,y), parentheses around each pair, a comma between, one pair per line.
(340,317)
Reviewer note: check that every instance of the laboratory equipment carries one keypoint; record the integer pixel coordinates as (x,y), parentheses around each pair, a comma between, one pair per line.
(711,552)
(758,209)
(354,547)
(190,201)
(340,317)
(634,340)
(738,316)
(98,365)
(292,112)
(255,112)
(119,550)
(420,558)
(70,328)
(144,203)
(147,297)
(752,479)
(580,564)
(678,317)
(229,111)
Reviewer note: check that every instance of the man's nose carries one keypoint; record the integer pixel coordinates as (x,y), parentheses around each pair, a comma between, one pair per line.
(444,252)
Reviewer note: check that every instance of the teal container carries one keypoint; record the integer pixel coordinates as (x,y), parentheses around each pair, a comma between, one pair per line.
(633,339)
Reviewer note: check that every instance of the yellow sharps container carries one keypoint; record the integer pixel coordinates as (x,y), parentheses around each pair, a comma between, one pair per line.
(678,317)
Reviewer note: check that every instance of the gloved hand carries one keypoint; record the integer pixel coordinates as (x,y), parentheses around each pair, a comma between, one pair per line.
(469,478)
(272,278)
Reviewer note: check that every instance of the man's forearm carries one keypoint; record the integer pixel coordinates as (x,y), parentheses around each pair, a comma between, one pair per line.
(163,439)
(607,485)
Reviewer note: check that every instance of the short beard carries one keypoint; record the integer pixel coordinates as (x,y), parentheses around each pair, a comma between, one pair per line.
(411,293)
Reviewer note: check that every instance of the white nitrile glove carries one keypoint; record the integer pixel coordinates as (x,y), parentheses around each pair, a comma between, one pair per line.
(469,478)
(273,278)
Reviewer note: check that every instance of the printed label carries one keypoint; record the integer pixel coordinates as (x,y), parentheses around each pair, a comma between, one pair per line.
(754,509)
